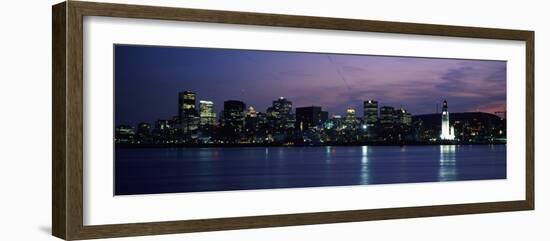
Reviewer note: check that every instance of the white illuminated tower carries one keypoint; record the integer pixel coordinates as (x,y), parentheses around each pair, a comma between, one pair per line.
(447,131)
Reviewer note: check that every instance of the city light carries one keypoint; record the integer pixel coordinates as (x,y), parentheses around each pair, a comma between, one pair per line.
(282,124)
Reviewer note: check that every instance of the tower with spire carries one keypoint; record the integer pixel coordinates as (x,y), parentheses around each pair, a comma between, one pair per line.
(447,131)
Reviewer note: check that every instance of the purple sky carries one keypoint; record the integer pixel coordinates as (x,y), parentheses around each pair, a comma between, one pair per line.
(148,79)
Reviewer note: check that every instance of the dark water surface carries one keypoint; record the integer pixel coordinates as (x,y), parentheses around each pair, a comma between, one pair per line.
(169,170)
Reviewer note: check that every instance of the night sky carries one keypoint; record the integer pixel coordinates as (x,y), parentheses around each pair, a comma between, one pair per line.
(148,79)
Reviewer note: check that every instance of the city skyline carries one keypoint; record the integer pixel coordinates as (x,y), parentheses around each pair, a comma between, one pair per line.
(197,105)
(148,80)
(281,125)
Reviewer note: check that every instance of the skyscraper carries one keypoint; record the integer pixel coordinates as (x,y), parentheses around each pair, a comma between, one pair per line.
(187,104)
(350,113)
(350,119)
(309,117)
(233,117)
(206,112)
(282,106)
(403,116)
(255,125)
(447,131)
(188,117)
(281,114)
(370,112)
(251,112)
(387,115)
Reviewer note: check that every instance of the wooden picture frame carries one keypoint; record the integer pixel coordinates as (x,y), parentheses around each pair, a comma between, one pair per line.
(67,152)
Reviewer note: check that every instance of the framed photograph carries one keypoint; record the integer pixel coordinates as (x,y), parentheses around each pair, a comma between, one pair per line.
(171,120)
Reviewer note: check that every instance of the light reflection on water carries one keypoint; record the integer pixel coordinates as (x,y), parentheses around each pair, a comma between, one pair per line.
(364,165)
(364,156)
(328,153)
(217,169)
(447,163)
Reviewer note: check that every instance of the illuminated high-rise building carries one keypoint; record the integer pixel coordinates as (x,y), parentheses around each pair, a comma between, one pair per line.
(233,116)
(282,106)
(447,131)
(404,117)
(281,114)
(350,115)
(187,113)
(370,112)
(254,125)
(387,115)
(350,120)
(187,104)
(206,112)
(251,112)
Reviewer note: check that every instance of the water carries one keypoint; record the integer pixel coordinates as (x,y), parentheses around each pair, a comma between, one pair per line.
(170,170)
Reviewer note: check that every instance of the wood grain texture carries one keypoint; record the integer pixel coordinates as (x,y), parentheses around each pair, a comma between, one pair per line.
(67,180)
(530,120)
(122,230)
(280,20)
(74,121)
(59,127)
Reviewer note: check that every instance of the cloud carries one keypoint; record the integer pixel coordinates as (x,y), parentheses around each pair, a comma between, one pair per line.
(335,83)
(498,75)
(454,79)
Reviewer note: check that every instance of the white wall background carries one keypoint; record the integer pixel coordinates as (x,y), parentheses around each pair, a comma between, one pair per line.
(25,104)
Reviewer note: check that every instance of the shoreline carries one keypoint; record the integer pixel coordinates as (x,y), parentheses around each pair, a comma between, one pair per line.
(137,146)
